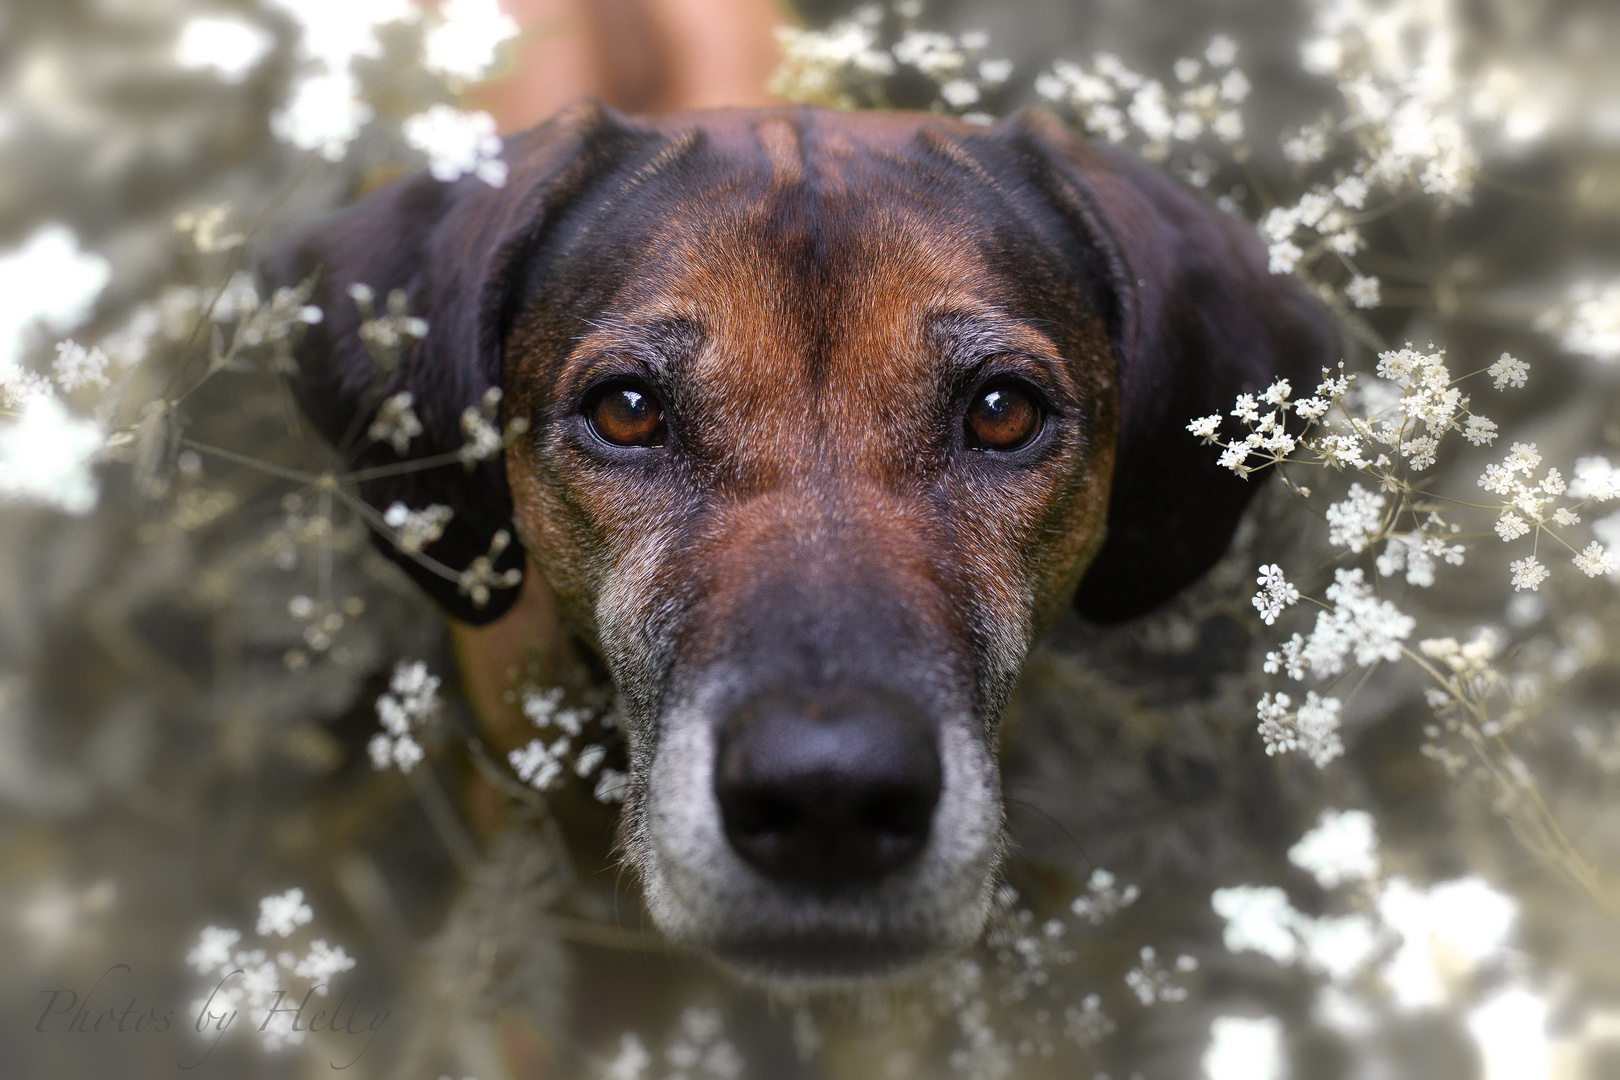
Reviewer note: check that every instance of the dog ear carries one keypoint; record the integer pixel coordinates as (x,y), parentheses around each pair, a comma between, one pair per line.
(1195,319)
(452,252)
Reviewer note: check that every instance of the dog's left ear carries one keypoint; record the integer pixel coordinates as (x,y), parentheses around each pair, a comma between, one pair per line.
(1195,318)
(453,252)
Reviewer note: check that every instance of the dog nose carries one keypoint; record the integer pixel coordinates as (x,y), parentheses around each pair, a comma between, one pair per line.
(827,789)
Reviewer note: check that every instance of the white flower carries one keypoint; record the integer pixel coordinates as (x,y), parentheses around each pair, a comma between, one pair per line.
(213,949)
(1528,573)
(1358,624)
(335,33)
(324,113)
(1205,427)
(1316,728)
(959,93)
(47,282)
(1479,431)
(1594,561)
(1258,919)
(1589,320)
(995,72)
(1275,593)
(1272,712)
(1228,126)
(612,785)
(75,366)
(1508,372)
(396,422)
(929,51)
(283,913)
(457,143)
(1289,657)
(1221,51)
(231,48)
(1420,452)
(416,529)
(1352,192)
(1595,479)
(1245,1048)
(321,963)
(1510,526)
(1235,87)
(46,456)
(1363,291)
(539,765)
(1277,393)
(1343,847)
(630,1062)
(1285,256)
(463,45)
(1355,521)
(1523,457)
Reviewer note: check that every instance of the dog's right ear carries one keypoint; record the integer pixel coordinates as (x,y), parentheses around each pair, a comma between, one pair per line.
(453,251)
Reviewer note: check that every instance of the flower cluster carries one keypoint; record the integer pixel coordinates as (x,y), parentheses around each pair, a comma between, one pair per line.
(252,980)
(846,64)
(542,765)
(699,1050)
(412,701)
(1115,103)
(1152,982)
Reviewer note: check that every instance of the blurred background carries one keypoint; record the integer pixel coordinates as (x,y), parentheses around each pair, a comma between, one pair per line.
(196,633)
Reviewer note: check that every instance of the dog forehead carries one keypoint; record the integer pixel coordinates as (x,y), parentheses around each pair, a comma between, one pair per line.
(816,263)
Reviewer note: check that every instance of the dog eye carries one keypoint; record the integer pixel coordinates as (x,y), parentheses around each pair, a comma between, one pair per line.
(1003,417)
(626,414)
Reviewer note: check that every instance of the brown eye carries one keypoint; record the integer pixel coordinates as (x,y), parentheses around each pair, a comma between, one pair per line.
(1003,417)
(627,415)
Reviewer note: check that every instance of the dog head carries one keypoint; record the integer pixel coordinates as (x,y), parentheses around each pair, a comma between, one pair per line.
(828,416)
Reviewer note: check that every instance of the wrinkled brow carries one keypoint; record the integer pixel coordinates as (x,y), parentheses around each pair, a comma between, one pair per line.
(963,340)
(663,346)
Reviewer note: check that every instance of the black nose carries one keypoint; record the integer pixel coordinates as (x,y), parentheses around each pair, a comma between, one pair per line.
(827,788)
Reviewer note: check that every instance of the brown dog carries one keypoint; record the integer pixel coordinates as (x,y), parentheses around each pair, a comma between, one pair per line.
(829,416)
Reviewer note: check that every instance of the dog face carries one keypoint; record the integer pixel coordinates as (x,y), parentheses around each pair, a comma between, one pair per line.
(828,416)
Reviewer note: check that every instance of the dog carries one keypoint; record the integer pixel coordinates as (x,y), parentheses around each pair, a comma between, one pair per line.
(829,417)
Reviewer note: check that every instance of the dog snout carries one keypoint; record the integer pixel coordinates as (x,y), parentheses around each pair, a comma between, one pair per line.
(828,789)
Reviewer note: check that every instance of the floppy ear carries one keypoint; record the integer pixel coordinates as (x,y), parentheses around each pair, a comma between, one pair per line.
(1195,319)
(453,250)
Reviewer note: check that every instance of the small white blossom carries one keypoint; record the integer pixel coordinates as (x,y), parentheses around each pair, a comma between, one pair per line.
(463,45)
(76,366)
(1205,427)
(396,422)
(1528,573)
(283,913)
(213,949)
(1479,431)
(1316,728)
(1275,593)
(324,113)
(1103,898)
(1363,291)
(47,454)
(1355,521)
(457,144)
(1594,561)
(1510,526)
(231,48)
(1595,479)
(1342,847)
(959,93)
(1508,372)
(1221,51)
(321,963)
(416,529)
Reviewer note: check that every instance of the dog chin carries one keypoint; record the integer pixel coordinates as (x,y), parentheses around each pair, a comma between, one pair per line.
(829,963)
